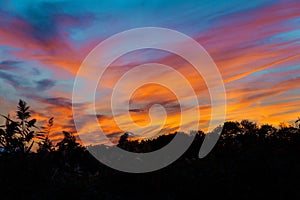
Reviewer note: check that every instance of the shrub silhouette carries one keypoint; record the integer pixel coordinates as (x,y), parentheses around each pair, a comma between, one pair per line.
(17,135)
(298,122)
(249,161)
(45,144)
(68,143)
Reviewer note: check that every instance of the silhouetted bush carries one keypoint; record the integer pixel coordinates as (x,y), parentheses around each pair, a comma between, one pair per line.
(248,162)
(17,135)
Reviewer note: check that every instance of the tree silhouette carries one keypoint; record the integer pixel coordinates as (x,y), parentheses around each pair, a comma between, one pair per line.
(253,161)
(231,129)
(298,122)
(8,140)
(266,130)
(17,136)
(123,141)
(45,144)
(68,143)
(249,127)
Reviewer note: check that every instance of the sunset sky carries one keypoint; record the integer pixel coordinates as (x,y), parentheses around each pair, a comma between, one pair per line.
(255,44)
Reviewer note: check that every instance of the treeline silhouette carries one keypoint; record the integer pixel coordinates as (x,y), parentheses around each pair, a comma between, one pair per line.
(249,161)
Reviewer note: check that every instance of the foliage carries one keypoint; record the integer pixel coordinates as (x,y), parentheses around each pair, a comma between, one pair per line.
(68,143)
(17,135)
(45,144)
(248,162)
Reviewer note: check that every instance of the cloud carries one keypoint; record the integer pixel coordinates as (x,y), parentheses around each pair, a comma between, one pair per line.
(136,110)
(255,49)
(16,81)
(9,64)
(44,84)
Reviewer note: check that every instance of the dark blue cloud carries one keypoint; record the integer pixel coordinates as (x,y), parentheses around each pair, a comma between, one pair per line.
(58,101)
(24,85)
(13,80)
(47,20)
(36,72)
(9,64)
(41,17)
(136,110)
(45,84)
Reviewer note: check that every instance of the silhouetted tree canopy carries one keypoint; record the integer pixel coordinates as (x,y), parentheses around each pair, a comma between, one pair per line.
(17,135)
(68,143)
(250,161)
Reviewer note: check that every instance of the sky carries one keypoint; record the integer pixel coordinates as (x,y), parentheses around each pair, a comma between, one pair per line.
(255,44)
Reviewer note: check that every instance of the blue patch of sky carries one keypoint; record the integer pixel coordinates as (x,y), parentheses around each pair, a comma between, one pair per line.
(278,69)
(114,16)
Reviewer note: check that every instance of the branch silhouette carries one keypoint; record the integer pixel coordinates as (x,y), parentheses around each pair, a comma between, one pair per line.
(250,159)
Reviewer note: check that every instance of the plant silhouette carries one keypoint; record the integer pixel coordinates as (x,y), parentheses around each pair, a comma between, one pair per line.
(45,144)
(68,143)
(17,135)
(249,161)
